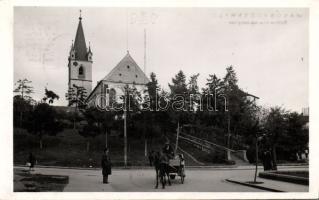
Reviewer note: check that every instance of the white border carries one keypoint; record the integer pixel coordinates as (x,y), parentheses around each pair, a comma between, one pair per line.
(6,87)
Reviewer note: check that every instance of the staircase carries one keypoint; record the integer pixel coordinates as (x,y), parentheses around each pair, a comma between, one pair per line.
(239,156)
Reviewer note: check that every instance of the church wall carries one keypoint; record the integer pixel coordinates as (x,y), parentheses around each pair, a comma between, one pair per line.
(119,91)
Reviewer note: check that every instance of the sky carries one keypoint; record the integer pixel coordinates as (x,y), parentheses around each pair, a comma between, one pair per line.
(268,48)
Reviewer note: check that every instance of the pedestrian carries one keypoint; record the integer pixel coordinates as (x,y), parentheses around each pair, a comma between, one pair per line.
(168,150)
(32,161)
(267,162)
(306,153)
(151,157)
(106,166)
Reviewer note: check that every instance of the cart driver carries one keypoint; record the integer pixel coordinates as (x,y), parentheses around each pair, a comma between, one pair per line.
(168,150)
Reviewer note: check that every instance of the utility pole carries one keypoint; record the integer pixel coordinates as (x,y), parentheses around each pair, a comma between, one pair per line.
(145,138)
(256,159)
(125,133)
(177,136)
(125,139)
(228,131)
(105,138)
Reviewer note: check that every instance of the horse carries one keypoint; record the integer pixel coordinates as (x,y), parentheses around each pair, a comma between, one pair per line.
(161,168)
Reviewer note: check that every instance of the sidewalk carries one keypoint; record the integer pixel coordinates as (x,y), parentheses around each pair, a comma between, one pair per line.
(269,184)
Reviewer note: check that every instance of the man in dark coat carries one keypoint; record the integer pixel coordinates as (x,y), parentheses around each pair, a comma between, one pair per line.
(151,157)
(32,161)
(106,166)
(267,160)
(168,150)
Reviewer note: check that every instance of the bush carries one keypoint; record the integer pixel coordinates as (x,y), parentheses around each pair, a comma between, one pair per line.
(214,157)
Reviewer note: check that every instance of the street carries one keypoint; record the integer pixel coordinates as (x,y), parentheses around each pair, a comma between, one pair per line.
(143,180)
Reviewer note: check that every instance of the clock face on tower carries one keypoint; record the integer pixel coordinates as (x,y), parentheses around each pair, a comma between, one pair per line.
(75,63)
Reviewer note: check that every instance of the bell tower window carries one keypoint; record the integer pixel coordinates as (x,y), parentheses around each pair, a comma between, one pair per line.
(81,72)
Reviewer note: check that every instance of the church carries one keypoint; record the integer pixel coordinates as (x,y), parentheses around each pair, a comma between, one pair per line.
(80,63)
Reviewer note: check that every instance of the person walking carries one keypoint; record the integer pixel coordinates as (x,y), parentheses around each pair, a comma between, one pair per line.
(32,161)
(151,157)
(106,166)
(268,161)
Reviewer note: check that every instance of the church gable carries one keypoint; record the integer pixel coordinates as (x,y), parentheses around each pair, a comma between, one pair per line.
(127,71)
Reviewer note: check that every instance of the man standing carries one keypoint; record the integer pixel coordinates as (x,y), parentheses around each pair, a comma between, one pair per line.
(106,166)
(32,161)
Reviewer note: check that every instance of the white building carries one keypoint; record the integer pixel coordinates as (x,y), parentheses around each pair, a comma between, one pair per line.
(125,73)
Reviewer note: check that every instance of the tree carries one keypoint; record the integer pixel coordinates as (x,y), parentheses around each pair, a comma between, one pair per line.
(275,128)
(77,97)
(50,96)
(93,126)
(149,110)
(297,133)
(192,84)
(152,91)
(213,83)
(241,109)
(21,106)
(193,94)
(230,80)
(24,89)
(178,98)
(43,120)
(178,85)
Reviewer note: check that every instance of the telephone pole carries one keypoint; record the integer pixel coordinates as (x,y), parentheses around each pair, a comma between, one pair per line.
(125,132)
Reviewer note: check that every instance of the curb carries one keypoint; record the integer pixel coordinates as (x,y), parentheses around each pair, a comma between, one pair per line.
(284,177)
(254,186)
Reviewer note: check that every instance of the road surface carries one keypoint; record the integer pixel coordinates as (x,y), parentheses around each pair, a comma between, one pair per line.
(143,180)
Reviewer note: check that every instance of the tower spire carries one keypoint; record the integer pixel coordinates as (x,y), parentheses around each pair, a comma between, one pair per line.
(79,42)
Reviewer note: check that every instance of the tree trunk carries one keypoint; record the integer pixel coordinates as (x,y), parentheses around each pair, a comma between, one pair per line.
(88,145)
(21,115)
(40,143)
(145,147)
(274,157)
(106,138)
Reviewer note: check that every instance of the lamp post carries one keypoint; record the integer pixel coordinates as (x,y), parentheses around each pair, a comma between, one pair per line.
(125,138)
(126,99)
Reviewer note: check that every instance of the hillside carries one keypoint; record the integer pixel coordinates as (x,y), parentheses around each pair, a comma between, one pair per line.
(68,148)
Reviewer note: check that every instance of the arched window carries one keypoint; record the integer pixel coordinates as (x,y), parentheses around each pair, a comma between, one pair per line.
(112,96)
(81,72)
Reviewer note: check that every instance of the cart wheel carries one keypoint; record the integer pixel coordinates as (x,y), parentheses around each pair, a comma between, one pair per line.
(172,177)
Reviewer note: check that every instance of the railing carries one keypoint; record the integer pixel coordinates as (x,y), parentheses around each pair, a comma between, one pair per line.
(208,146)
(207,143)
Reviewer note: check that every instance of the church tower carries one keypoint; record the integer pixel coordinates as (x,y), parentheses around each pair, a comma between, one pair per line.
(80,62)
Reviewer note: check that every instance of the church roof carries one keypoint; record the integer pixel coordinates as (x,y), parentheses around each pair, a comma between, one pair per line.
(127,71)
(79,43)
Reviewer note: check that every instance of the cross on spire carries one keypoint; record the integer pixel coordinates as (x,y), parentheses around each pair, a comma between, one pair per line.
(80,18)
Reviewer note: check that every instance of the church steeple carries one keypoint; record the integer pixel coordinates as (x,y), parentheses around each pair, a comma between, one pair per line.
(80,61)
(79,42)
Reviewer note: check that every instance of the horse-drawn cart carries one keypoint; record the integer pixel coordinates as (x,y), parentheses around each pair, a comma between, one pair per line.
(177,167)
